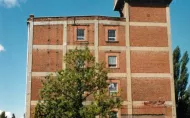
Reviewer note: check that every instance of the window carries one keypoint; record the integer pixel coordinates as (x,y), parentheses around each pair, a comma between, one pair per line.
(113,114)
(113,88)
(80,34)
(112,61)
(111,35)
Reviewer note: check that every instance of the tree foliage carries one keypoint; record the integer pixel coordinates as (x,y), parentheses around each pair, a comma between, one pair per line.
(64,95)
(13,115)
(3,115)
(181,76)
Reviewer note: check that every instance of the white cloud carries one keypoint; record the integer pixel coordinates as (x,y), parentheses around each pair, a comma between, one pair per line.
(11,3)
(1,50)
(8,114)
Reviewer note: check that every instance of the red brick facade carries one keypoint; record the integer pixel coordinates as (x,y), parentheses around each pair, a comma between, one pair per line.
(147,14)
(146,54)
(149,62)
(46,60)
(148,36)
(151,89)
(48,35)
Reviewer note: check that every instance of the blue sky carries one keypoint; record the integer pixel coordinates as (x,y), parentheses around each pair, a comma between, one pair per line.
(13,37)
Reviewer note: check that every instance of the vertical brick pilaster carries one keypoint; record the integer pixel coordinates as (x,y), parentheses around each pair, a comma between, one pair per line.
(128,60)
(96,49)
(29,68)
(64,43)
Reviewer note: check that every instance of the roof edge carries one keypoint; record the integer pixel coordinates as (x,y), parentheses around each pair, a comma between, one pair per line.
(95,17)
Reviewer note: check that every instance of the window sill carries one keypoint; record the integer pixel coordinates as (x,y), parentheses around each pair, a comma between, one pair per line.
(112,41)
(82,41)
(113,68)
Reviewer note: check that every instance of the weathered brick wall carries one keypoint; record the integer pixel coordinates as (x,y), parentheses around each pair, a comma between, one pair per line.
(36,86)
(154,110)
(148,36)
(151,89)
(149,62)
(120,35)
(143,89)
(46,60)
(147,14)
(48,34)
(124,110)
(123,82)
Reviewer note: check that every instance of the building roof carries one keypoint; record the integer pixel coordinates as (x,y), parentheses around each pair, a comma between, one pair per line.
(119,4)
(65,18)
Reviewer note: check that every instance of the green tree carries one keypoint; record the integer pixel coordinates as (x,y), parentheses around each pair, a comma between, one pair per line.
(13,115)
(65,94)
(3,115)
(181,79)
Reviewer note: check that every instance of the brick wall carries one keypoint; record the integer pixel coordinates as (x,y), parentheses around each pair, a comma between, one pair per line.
(48,34)
(123,82)
(46,60)
(149,62)
(148,36)
(124,110)
(147,14)
(151,89)
(142,110)
(36,86)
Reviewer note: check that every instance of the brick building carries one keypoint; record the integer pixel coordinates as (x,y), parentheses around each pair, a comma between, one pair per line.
(135,46)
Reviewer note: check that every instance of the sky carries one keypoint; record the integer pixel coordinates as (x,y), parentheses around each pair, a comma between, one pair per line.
(13,38)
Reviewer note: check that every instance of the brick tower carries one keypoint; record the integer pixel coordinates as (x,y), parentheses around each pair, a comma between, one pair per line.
(149,56)
(136,48)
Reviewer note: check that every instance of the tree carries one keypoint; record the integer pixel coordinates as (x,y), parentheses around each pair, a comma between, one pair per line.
(180,80)
(3,115)
(13,115)
(65,94)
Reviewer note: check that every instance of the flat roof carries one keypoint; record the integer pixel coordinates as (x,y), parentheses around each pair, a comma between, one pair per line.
(64,18)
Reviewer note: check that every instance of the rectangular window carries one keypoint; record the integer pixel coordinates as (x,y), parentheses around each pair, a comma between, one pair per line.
(112,61)
(113,88)
(111,35)
(80,34)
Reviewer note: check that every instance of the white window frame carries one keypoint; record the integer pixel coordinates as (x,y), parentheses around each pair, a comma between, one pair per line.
(116,87)
(115,61)
(111,37)
(80,37)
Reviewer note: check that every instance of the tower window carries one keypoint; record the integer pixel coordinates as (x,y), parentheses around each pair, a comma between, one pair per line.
(112,61)
(80,34)
(111,35)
